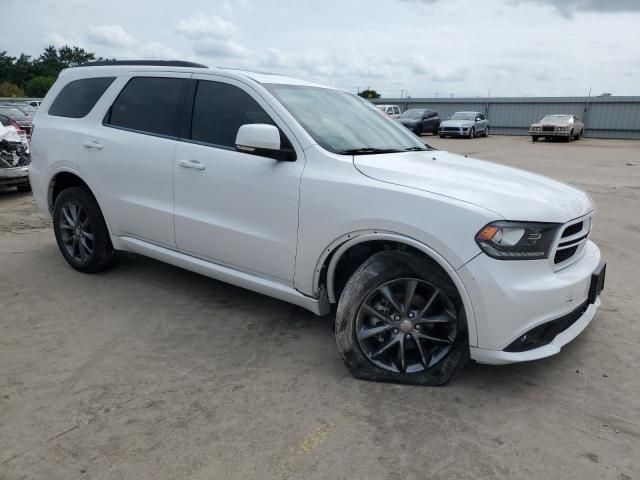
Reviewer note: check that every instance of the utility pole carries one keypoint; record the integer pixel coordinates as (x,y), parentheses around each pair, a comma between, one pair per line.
(401,92)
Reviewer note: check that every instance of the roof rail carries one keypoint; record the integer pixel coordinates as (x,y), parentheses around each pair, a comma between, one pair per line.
(151,63)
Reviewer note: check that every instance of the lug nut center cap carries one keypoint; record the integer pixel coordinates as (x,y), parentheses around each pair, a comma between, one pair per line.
(406,325)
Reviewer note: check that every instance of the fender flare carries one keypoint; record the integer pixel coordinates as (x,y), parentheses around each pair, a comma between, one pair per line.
(342,244)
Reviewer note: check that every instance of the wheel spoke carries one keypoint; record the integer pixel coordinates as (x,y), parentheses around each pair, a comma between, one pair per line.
(88,235)
(371,332)
(73,210)
(67,216)
(444,318)
(402,364)
(428,304)
(434,339)
(368,309)
(408,295)
(386,292)
(66,226)
(423,359)
(385,347)
(83,244)
(75,247)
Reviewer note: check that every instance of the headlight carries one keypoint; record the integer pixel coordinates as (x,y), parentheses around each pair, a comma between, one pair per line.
(517,240)
(561,129)
(535,128)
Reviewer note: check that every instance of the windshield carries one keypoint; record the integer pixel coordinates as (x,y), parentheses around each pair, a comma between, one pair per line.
(12,111)
(412,113)
(464,116)
(557,118)
(342,122)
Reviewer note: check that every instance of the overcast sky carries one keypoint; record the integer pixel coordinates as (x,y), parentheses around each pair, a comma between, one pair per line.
(464,48)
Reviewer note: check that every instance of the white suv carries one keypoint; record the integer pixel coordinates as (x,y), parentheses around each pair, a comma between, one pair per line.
(312,195)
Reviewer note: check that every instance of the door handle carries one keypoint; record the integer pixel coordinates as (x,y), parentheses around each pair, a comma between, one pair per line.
(191,164)
(92,144)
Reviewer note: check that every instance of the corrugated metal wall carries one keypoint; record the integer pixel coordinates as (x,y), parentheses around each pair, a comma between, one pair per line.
(604,117)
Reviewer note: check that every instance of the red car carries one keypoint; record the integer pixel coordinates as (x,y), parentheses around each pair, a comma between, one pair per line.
(18,118)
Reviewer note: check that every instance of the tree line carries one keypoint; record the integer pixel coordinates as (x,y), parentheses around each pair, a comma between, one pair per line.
(33,76)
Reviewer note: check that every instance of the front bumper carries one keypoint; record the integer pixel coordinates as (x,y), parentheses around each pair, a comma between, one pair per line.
(540,133)
(458,132)
(14,176)
(510,298)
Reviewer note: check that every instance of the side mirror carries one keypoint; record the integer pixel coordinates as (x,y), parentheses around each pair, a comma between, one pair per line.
(478,119)
(263,140)
(257,136)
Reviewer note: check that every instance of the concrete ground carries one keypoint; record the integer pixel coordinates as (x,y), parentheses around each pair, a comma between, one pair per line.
(152,372)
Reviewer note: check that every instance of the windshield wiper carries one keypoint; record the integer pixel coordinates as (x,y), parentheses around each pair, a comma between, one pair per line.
(368,151)
(415,149)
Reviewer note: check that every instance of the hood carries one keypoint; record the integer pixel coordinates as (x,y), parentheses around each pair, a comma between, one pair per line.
(407,120)
(555,124)
(456,123)
(511,193)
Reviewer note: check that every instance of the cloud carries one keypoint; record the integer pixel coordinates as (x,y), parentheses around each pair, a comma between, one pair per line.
(58,40)
(202,25)
(220,48)
(158,51)
(109,36)
(436,72)
(568,8)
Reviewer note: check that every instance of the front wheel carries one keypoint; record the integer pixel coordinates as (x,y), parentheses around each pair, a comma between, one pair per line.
(81,232)
(401,320)
(472,133)
(534,138)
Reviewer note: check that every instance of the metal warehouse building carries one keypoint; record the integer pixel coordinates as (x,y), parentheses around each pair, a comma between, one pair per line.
(604,117)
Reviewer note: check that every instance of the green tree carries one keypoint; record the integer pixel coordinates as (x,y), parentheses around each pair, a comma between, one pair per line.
(39,86)
(368,93)
(10,90)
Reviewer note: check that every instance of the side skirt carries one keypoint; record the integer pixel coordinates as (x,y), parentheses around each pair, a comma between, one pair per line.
(222,273)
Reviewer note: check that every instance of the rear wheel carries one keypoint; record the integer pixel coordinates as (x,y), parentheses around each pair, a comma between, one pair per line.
(486,132)
(400,320)
(81,232)
(534,138)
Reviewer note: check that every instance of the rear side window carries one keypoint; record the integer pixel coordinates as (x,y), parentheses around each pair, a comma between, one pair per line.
(77,98)
(220,110)
(149,105)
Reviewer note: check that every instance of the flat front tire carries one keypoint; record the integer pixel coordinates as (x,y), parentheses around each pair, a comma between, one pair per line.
(81,232)
(401,320)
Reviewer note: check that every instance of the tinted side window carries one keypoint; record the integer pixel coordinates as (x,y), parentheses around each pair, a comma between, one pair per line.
(220,110)
(77,98)
(149,104)
(5,121)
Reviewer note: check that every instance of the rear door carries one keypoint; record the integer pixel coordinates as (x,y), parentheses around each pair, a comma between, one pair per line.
(129,155)
(231,207)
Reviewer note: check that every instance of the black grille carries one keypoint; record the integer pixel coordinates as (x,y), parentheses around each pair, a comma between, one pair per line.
(565,254)
(572,229)
(545,333)
(548,128)
(451,129)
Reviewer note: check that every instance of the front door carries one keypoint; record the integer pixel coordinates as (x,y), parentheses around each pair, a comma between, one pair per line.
(233,208)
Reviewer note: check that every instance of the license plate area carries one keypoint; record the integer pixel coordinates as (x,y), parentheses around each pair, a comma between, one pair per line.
(597,281)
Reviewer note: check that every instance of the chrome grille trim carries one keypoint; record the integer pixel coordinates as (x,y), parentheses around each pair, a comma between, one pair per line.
(570,242)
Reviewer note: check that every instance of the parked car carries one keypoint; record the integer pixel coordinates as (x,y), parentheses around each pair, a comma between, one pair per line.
(566,127)
(17,116)
(8,122)
(14,159)
(392,110)
(465,124)
(35,103)
(420,120)
(306,193)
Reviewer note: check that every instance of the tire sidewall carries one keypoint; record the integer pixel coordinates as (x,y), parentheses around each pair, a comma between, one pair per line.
(380,268)
(103,253)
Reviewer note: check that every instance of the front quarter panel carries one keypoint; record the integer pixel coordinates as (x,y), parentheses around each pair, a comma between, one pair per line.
(337,200)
